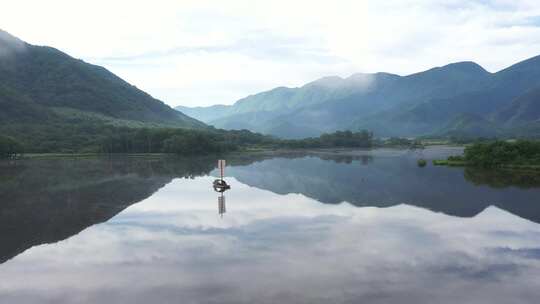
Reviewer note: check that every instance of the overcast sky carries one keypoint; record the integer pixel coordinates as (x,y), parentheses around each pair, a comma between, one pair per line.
(215,52)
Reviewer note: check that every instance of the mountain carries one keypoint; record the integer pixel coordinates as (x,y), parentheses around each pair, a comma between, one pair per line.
(522,110)
(465,125)
(459,98)
(41,84)
(485,101)
(204,113)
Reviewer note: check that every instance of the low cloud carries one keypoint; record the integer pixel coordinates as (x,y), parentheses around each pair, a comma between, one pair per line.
(10,45)
(260,45)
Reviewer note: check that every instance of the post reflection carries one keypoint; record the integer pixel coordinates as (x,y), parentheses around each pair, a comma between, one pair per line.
(221,205)
(220,185)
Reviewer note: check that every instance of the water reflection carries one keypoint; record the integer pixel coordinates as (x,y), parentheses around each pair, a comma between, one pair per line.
(221,204)
(280,249)
(281,244)
(47,201)
(59,198)
(500,178)
(391,178)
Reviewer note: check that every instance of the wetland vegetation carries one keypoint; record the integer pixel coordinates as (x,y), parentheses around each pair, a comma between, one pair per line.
(520,154)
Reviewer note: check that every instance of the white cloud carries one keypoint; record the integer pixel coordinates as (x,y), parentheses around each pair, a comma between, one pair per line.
(206,52)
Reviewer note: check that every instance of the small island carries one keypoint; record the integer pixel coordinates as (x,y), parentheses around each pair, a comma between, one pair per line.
(520,154)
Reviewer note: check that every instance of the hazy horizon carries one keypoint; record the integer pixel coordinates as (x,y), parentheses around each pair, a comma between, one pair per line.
(199,54)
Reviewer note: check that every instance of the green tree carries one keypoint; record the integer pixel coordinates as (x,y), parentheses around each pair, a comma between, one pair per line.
(9,147)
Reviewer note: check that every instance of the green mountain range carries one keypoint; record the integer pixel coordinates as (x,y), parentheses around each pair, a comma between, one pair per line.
(41,85)
(457,99)
(47,97)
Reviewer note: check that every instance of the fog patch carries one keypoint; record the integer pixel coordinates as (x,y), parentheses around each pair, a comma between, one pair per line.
(10,45)
(361,81)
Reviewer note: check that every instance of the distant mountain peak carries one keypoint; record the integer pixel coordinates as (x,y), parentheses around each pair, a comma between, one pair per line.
(6,37)
(328,81)
(532,63)
(457,99)
(466,66)
(362,77)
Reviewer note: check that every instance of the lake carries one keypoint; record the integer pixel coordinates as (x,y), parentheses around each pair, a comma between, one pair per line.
(318,227)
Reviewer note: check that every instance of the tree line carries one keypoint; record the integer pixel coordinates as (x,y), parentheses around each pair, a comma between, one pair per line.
(180,141)
(93,138)
(502,153)
(344,139)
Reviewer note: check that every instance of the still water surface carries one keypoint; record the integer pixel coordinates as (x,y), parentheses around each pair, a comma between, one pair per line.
(355,227)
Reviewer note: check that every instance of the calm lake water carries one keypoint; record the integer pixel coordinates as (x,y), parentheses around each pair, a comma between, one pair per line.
(354,227)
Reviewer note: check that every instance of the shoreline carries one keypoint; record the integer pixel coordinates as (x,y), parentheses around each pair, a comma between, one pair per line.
(450,163)
(336,150)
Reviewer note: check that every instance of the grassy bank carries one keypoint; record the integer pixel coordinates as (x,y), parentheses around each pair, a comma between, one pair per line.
(446,162)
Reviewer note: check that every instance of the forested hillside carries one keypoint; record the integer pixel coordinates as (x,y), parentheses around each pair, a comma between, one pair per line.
(460,98)
(50,101)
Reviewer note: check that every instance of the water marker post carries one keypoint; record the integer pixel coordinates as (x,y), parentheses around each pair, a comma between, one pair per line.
(221,166)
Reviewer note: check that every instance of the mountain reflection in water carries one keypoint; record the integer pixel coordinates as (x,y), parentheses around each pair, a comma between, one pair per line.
(44,201)
(393,178)
(160,239)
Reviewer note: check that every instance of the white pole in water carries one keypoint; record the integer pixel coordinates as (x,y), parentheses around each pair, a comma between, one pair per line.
(221,166)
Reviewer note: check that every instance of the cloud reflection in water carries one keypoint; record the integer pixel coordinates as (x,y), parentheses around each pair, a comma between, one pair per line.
(173,247)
